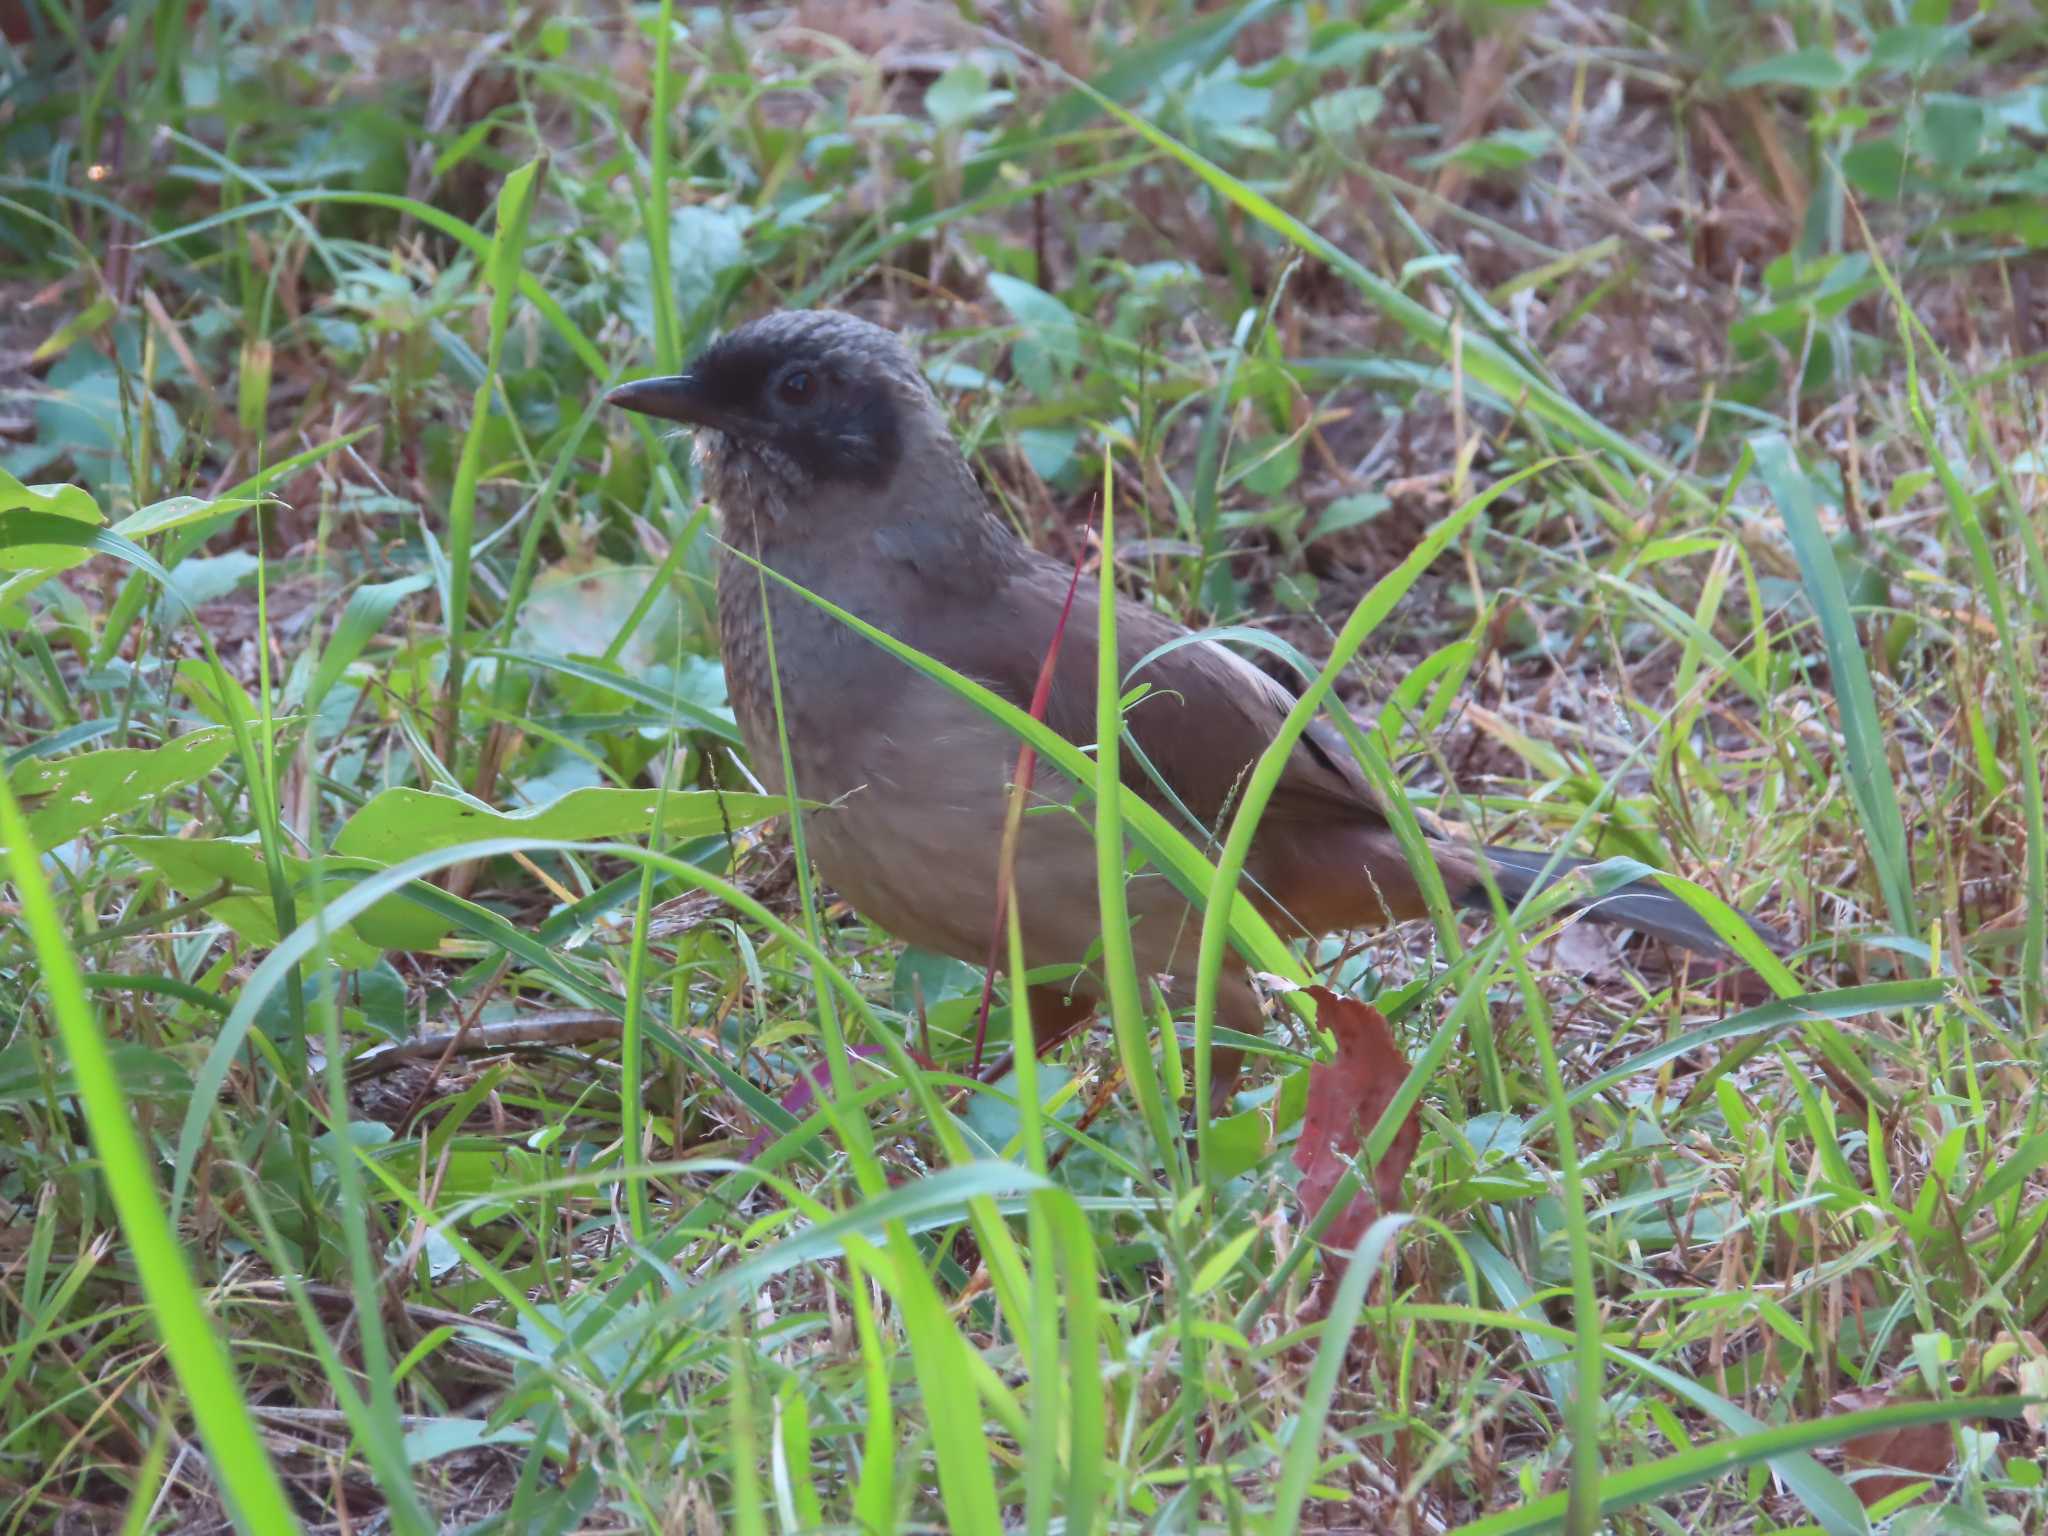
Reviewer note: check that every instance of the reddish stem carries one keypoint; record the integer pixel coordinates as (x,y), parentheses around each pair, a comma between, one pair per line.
(1027,769)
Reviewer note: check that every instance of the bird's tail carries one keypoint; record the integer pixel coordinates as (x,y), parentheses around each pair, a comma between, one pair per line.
(1642,904)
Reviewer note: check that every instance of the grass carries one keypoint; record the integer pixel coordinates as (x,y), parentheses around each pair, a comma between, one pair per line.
(1631,414)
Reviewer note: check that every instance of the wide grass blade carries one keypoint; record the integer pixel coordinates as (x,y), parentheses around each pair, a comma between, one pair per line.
(1863,739)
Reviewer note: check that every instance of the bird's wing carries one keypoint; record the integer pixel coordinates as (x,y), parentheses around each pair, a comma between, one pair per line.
(1206,715)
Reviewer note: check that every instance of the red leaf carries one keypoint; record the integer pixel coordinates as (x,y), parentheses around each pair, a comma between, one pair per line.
(1346,1098)
(1919,1451)
(797,1100)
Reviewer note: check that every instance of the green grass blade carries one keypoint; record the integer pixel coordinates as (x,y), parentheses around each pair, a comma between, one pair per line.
(2015,659)
(1688,1469)
(1119,963)
(442,222)
(1484,361)
(501,267)
(1298,1465)
(247,1479)
(656,216)
(1863,740)
(1174,856)
(1367,616)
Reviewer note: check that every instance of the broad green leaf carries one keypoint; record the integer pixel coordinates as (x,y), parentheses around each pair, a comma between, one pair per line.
(961,95)
(1221,1262)
(177,511)
(1345,111)
(1049,342)
(1952,127)
(429,1439)
(198,868)
(1910,49)
(21,541)
(697,710)
(399,823)
(1507,150)
(206,578)
(1237,1143)
(1817,69)
(143,1074)
(63,796)
(576,611)
(214,694)
(68,532)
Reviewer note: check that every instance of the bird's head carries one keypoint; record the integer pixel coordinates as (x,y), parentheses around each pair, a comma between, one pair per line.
(799,410)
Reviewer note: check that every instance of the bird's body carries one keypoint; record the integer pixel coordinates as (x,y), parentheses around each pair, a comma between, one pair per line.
(916,851)
(832,463)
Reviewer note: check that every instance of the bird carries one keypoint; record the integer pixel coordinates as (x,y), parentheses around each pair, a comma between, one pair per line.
(832,461)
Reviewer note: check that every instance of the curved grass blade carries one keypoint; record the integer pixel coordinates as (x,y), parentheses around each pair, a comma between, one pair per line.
(1482,359)
(1265,777)
(1627,1488)
(204,1370)
(1171,853)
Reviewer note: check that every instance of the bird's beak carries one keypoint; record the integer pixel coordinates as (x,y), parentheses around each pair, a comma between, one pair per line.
(673,399)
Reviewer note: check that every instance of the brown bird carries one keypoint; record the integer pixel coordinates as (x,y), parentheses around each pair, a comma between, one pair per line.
(832,462)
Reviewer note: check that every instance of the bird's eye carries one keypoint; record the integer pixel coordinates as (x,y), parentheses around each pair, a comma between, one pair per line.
(797,386)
